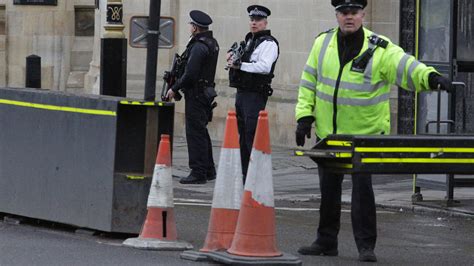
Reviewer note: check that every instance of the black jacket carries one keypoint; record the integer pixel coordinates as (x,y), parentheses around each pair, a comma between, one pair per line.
(201,56)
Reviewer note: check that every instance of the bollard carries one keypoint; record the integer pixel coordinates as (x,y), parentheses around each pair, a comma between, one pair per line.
(113,53)
(33,71)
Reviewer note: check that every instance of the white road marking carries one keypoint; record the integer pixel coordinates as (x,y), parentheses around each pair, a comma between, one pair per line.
(207,203)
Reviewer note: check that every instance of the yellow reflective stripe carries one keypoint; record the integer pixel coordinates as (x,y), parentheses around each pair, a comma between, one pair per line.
(299,153)
(135,177)
(417,160)
(141,103)
(59,108)
(340,165)
(343,154)
(339,143)
(417,149)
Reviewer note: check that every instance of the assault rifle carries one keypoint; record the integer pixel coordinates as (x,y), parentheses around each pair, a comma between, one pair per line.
(237,51)
(170,78)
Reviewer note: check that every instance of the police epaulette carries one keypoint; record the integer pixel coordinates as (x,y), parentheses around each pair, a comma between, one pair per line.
(378,41)
(328,31)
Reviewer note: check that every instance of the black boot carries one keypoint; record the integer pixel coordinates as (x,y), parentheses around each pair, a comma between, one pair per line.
(367,255)
(211,174)
(317,250)
(191,179)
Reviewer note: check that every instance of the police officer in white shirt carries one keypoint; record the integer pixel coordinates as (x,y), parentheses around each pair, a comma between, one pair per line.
(252,77)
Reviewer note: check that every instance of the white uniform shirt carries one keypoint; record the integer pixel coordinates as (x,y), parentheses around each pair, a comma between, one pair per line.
(262,58)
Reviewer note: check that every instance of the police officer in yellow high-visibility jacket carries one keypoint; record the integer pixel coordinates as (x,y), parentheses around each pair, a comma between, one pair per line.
(345,89)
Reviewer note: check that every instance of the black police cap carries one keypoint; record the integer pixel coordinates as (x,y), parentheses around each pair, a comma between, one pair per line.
(341,4)
(258,11)
(200,18)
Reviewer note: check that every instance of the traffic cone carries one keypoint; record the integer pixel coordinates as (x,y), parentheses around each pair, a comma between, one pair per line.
(159,230)
(255,239)
(227,195)
(255,234)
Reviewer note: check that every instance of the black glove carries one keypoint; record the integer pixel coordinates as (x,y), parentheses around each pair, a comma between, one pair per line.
(303,129)
(435,80)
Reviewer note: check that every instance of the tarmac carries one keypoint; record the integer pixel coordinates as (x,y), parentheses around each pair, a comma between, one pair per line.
(296,180)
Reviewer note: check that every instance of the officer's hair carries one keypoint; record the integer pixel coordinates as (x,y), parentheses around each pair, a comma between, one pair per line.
(200,28)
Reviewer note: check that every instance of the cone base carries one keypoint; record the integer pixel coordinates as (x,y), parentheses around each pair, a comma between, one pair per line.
(195,256)
(227,258)
(156,244)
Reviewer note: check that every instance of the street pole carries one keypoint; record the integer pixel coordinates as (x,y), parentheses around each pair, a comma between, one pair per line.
(152,49)
(113,50)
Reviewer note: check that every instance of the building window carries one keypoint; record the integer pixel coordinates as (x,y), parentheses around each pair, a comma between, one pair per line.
(84,21)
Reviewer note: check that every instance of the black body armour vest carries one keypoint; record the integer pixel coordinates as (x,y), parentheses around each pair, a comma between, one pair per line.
(208,68)
(252,81)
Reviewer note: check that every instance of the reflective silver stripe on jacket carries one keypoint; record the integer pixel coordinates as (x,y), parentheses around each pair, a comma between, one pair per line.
(412,67)
(368,68)
(355,102)
(366,87)
(401,71)
(322,53)
(312,71)
(308,85)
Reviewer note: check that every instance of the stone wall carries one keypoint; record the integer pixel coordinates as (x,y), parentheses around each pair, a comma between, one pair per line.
(47,31)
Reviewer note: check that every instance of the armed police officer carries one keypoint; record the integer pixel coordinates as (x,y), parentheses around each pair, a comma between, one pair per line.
(345,89)
(197,83)
(252,77)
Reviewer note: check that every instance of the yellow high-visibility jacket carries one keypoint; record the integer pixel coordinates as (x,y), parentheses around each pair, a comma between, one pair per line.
(349,102)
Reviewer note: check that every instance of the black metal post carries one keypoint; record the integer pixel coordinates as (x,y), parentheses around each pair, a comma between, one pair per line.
(113,54)
(113,67)
(152,50)
(33,71)
(406,99)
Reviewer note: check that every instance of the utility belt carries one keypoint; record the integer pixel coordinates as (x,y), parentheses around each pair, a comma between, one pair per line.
(205,93)
(202,87)
(202,83)
(245,81)
(266,90)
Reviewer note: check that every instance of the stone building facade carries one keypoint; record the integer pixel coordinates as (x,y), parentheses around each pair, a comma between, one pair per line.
(71,62)
(61,35)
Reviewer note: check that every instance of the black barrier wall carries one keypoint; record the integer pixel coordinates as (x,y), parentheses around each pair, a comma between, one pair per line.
(81,160)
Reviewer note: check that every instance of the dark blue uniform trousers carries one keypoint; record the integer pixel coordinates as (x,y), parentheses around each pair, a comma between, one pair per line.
(247,105)
(197,111)
(363,211)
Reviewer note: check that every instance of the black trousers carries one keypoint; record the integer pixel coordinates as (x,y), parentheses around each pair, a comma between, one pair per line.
(247,105)
(363,212)
(197,110)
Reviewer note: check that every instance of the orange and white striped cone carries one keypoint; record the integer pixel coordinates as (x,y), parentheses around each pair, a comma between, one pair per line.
(227,195)
(255,238)
(159,230)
